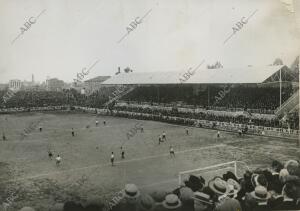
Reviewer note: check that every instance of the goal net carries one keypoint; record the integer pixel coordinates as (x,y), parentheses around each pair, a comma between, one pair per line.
(215,170)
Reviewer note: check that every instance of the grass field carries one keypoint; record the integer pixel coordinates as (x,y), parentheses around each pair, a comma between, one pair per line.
(85,171)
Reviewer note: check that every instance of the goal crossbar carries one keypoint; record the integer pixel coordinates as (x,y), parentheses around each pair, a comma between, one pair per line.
(234,163)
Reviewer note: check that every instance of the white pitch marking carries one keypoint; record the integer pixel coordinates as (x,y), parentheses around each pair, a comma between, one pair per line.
(108,164)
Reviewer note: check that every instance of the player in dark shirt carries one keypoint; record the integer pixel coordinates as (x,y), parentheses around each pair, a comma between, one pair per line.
(50,154)
(122,153)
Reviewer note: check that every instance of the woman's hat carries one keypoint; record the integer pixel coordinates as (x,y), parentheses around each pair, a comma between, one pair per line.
(218,186)
(260,193)
(171,202)
(131,191)
(234,187)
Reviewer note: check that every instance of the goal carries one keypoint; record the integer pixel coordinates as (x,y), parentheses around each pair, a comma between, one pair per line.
(215,170)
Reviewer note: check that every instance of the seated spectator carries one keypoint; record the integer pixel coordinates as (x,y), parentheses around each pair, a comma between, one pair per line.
(131,195)
(186,197)
(145,203)
(202,202)
(246,185)
(172,202)
(291,166)
(229,175)
(159,197)
(288,201)
(222,201)
(234,188)
(195,183)
(259,179)
(257,199)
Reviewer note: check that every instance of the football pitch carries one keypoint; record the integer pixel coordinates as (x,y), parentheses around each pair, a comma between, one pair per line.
(34,179)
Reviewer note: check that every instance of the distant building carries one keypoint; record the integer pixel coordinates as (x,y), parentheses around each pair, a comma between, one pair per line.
(54,84)
(3,86)
(94,84)
(15,84)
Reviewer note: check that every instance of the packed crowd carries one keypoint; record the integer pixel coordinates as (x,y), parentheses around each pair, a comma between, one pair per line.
(211,115)
(237,96)
(275,188)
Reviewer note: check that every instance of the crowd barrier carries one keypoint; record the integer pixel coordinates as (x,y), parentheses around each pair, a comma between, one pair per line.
(226,126)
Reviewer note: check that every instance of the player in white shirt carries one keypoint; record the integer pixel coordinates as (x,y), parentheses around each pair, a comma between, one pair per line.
(164,136)
(97,122)
(172,152)
(58,160)
(218,134)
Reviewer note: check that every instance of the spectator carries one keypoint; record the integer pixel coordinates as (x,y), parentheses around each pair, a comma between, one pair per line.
(172,202)
(145,203)
(195,183)
(202,202)
(288,201)
(257,199)
(129,201)
(222,201)
(186,197)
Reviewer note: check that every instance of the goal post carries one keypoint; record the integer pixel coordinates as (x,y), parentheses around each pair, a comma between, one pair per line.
(210,171)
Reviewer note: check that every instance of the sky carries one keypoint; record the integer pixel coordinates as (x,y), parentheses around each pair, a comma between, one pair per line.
(70,35)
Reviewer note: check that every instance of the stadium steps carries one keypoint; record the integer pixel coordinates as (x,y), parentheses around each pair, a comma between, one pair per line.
(288,106)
